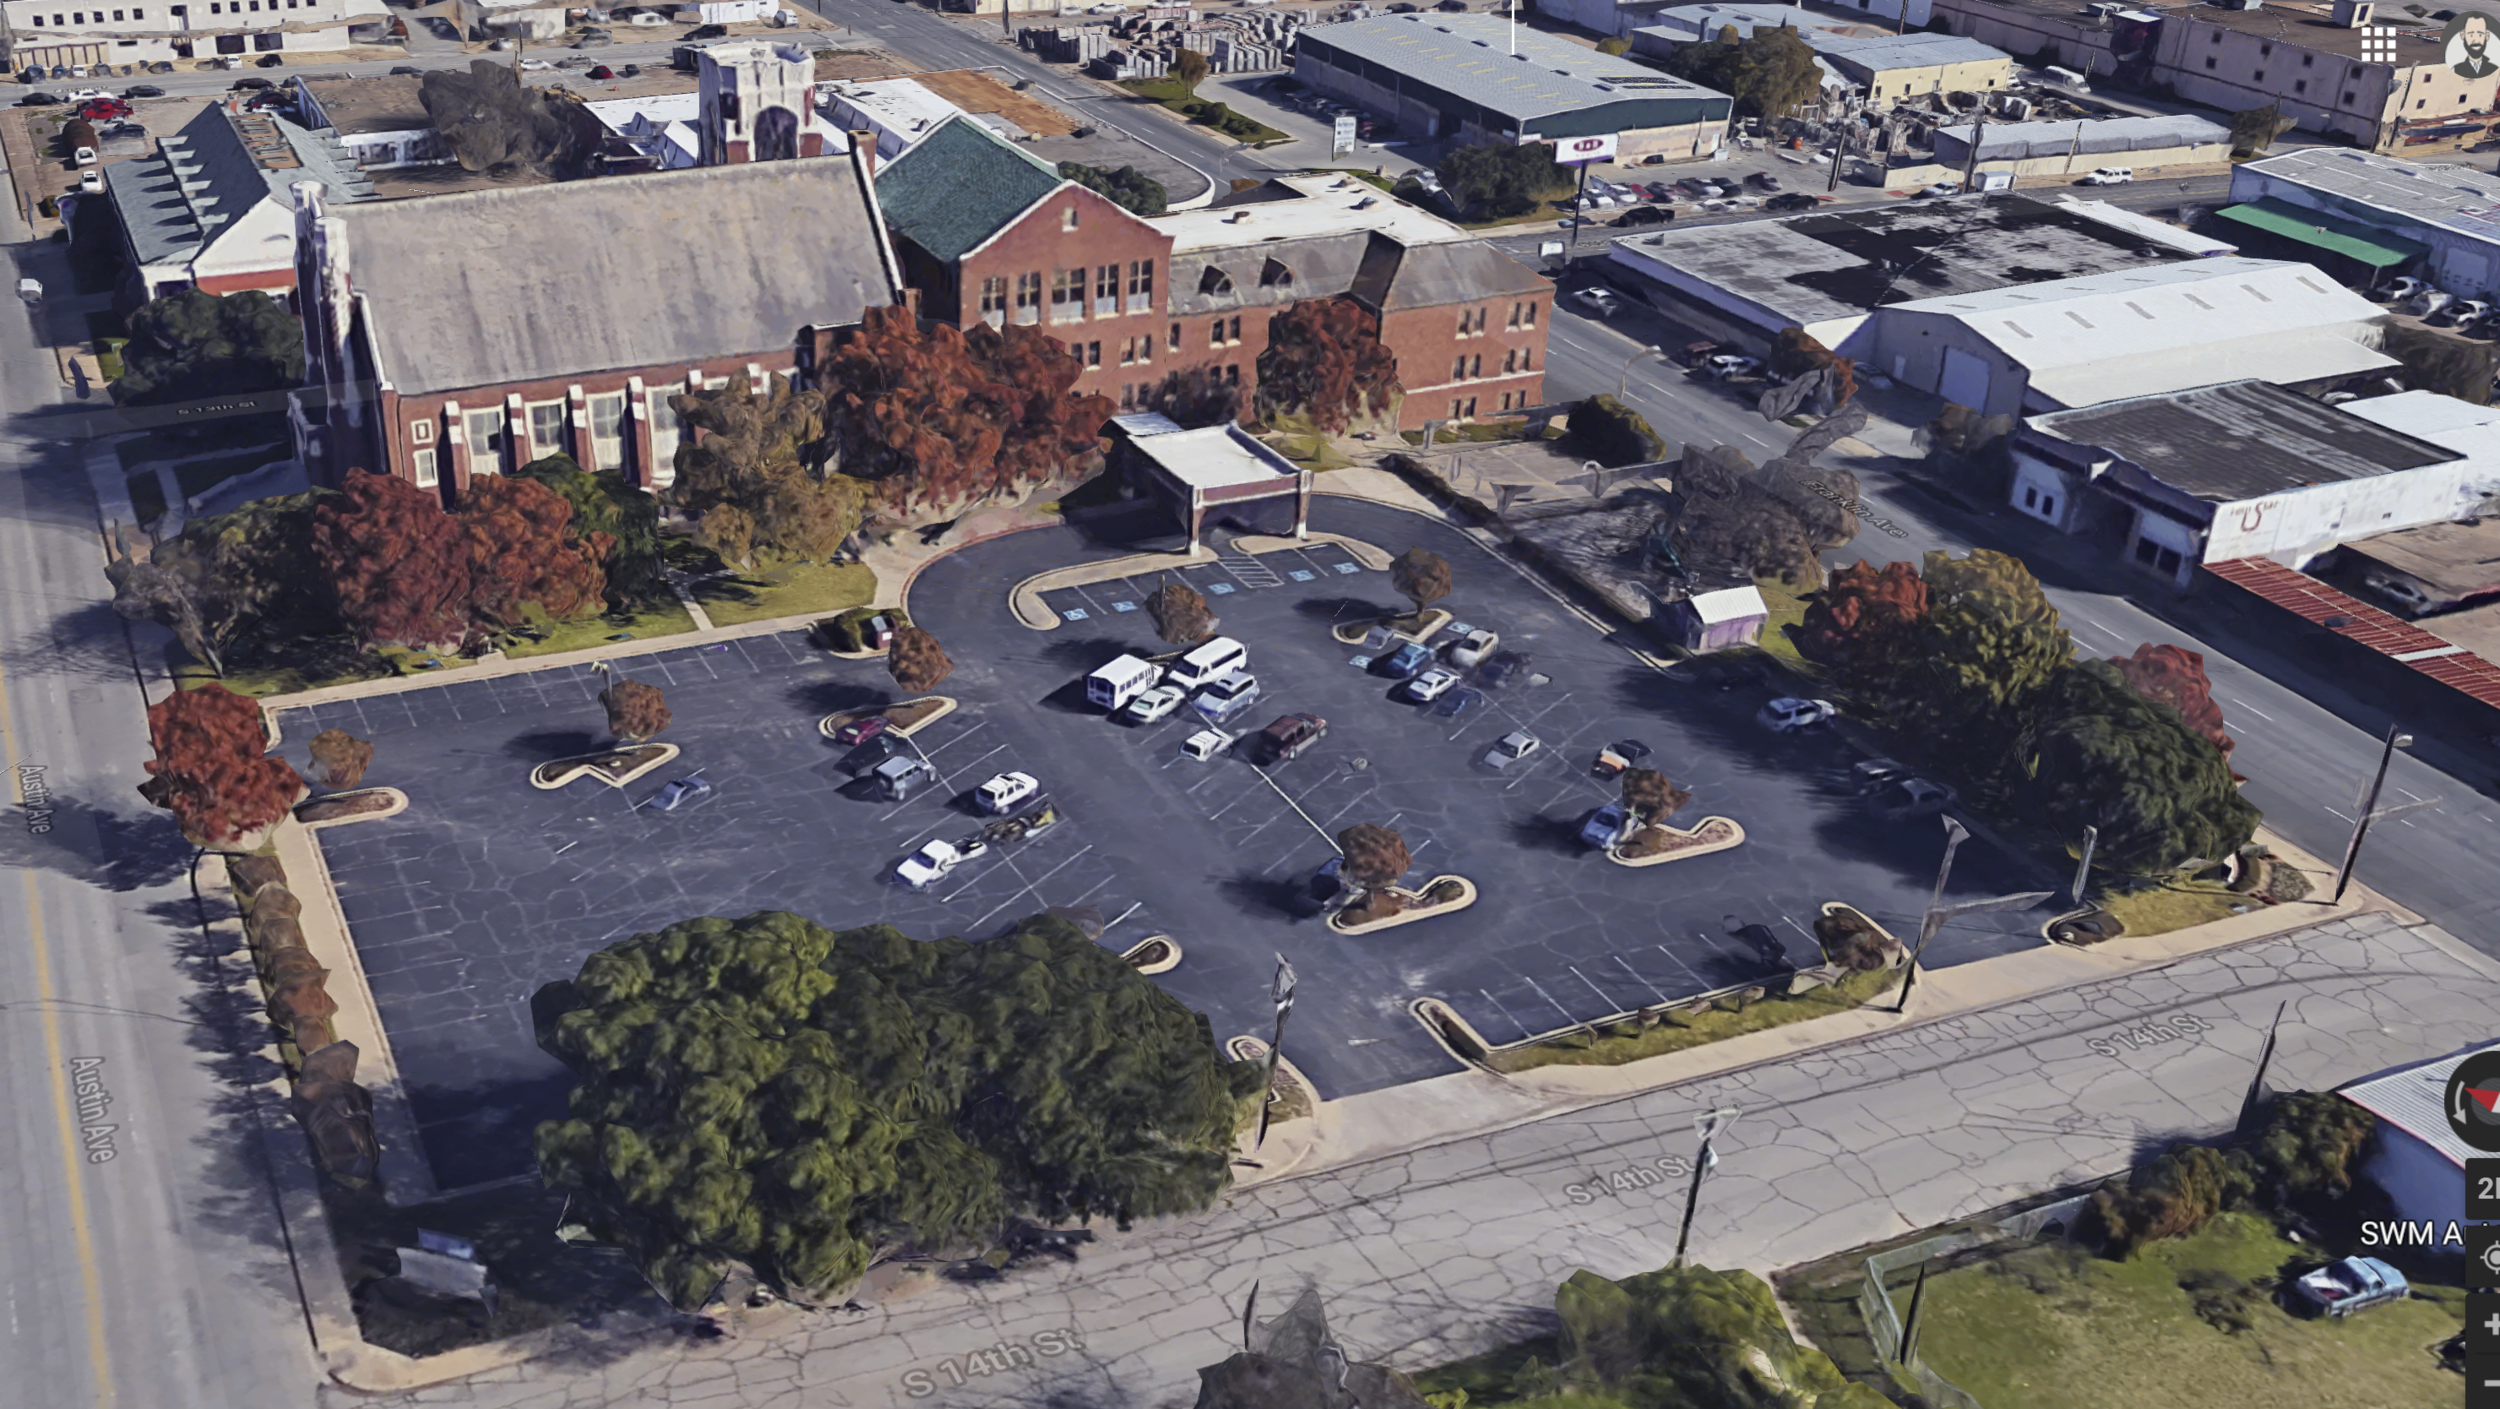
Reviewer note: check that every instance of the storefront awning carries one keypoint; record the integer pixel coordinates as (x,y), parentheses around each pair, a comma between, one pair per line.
(2335,234)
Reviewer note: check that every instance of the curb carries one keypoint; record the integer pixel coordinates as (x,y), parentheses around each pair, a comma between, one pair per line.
(1406,917)
(1730,843)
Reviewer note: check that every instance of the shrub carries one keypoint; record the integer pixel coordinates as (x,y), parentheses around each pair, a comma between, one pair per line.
(1614,434)
(2173,1196)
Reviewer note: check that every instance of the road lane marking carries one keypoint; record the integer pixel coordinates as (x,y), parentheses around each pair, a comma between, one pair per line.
(2252,709)
(89,1275)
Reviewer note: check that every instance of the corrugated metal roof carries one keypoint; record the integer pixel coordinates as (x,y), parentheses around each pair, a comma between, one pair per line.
(1469,57)
(2355,620)
(1909,51)
(2013,141)
(1684,23)
(1727,604)
(220,166)
(2413,1100)
(2127,314)
(2461,198)
(2283,359)
(2240,440)
(689,265)
(2332,233)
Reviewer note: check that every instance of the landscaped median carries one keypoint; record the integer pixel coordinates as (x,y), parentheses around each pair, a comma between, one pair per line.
(903,719)
(1169,93)
(1661,1031)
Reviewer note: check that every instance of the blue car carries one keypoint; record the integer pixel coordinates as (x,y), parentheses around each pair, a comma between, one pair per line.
(685,792)
(1405,661)
(1458,704)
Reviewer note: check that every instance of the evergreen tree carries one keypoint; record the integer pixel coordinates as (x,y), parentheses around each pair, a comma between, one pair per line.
(629,516)
(1986,648)
(2104,756)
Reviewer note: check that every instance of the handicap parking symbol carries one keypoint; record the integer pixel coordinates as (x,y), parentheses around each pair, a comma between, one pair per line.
(1073,614)
(1219,588)
(1348,568)
(1299,575)
(1123,606)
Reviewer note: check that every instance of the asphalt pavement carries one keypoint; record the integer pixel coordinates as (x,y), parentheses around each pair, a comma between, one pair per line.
(147,1265)
(2306,742)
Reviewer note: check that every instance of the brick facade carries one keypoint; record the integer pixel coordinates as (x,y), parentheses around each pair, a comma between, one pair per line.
(1501,343)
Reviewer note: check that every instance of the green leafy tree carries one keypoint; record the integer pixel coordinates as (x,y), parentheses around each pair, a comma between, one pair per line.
(2105,756)
(761,478)
(1498,182)
(1128,188)
(1614,48)
(769,1092)
(1769,75)
(194,346)
(1986,648)
(630,517)
(1615,435)
(2254,131)
(1690,1336)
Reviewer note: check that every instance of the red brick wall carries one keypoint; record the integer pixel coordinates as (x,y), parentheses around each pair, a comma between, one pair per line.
(1042,242)
(402,414)
(1428,345)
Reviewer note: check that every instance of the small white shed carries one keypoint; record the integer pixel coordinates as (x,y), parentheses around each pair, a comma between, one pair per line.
(1714,621)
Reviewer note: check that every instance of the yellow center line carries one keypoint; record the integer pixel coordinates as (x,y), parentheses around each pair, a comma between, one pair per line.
(72,1168)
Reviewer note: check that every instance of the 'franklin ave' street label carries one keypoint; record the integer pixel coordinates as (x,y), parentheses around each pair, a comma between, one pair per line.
(86,1084)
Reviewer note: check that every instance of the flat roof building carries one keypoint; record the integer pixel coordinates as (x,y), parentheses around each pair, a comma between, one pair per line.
(1871,56)
(2371,216)
(1218,471)
(1449,75)
(2133,332)
(382,122)
(2239,470)
(1824,272)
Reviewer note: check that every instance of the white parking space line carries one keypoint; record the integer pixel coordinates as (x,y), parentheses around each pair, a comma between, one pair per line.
(1530,980)
(930,756)
(1036,881)
(1611,1005)
(1524,1029)
(1637,977)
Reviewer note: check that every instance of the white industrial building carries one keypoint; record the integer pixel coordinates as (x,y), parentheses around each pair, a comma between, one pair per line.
(660,127)
(898,110)
(2132,332)
(1827,270)
(55,33)
(2367,216)
(2413,1156)
(2246,470)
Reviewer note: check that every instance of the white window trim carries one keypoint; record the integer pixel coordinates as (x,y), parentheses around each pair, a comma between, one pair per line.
(428,473)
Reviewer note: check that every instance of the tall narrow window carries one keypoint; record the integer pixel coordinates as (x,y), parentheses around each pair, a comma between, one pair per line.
(1029,296)
(1067,295)
(664,434)
(1176,337)
(486,438)
(994,299)
(421,463)
(1106,289)
(1141,285)
(607,430)
(546,429)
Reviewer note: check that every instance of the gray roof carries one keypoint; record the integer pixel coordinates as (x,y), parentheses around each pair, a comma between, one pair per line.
(2460,198)
(1468,57)
(1682,23)
(1909,51)
(2012,141)
(1825,265)
(219,166)
(953,189)
(1319,267)
(2414,1100)
(687,265)
(2240,440)
(1397,277)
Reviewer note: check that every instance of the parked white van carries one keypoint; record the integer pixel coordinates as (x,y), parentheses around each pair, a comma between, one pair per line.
(1208,663)
(1113,686)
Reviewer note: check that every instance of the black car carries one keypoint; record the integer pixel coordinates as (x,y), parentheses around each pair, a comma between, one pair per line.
(37,100)
(1502,669)
(630,71)
(870,754)
(1645,215)
(708,31)
(1794,200)
(270,61)
(248,85)
(1763,181)
(143,90)
(31,76)
(404,70)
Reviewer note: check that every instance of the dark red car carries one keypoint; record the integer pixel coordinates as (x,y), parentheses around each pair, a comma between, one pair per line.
(602,71)
(103,109)
(860,731)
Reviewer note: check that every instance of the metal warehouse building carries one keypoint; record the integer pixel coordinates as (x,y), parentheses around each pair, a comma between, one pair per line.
(1457,76)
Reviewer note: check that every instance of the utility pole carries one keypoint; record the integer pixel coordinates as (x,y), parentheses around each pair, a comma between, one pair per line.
(1909,1324)
(2257,1083)
(1708,1127)
(2369,806)
(2083,868)
(1978,130)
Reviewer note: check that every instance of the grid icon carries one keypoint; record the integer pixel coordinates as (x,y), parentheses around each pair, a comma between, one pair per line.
(2378,43)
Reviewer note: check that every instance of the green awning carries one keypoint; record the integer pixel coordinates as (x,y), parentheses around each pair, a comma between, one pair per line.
(2349,238)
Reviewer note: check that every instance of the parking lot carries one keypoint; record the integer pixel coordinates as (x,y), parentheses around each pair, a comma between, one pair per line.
(486,888)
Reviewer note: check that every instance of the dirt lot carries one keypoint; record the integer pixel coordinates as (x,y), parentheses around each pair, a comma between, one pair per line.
(976,92)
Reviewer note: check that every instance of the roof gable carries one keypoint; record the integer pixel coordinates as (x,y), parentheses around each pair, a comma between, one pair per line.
(952,191)
(218,168)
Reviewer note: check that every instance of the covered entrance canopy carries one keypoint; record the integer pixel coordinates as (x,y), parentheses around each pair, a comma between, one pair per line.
(2332,233)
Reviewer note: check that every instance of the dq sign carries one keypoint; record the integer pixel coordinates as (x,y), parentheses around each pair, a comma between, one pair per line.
(1583,151)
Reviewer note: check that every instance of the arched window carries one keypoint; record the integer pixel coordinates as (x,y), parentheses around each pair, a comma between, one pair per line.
(776,135)
(1214,281)
(1276,275)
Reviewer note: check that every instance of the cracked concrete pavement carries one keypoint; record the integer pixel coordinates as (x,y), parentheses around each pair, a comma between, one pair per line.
(1450,1250)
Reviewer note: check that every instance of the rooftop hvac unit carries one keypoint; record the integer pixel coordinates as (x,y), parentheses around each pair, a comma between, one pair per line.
(2103,10)
(2353,14)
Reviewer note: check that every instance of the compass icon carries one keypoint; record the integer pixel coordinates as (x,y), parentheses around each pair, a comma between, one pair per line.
(2473,1101)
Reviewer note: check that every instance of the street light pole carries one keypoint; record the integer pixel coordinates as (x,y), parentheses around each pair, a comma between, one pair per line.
(2369,807)
(1625,375)
(1281,994)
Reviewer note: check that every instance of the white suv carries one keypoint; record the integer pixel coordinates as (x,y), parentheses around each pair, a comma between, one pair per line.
(1000,794)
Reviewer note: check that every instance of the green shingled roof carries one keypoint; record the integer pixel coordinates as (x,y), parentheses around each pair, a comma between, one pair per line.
(958,186)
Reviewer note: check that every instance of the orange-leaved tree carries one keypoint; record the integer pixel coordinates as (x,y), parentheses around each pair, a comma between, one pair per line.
(521,554)
(938,416)
(213,772)
(1325,361)
(916,660)
(397,564)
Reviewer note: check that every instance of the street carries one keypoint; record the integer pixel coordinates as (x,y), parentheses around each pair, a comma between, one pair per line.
(2305,747)
(148,1265)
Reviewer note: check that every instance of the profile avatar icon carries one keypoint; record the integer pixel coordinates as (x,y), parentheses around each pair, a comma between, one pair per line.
(2464,44)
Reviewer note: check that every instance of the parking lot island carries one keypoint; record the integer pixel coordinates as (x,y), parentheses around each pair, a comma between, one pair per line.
(1415,905)
(1709,835)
